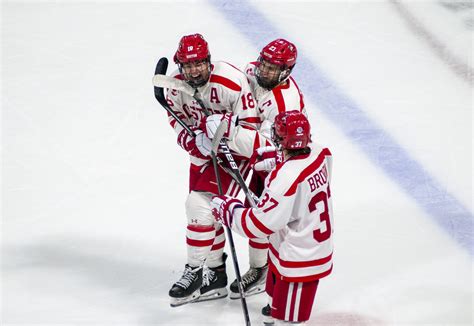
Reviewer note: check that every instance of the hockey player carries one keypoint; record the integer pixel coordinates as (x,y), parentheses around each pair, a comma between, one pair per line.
(275,91)
(295,211)
(226,94)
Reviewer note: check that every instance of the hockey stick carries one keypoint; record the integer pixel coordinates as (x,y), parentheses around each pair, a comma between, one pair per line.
(230,159)
(164,81)
(160,70)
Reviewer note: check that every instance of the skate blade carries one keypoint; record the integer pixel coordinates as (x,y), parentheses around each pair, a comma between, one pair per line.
(213,295)
(253,291)
(176,302)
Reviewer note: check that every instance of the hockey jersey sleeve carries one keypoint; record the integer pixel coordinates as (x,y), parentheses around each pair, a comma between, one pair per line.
(245,107)
(175,102)
(273,212)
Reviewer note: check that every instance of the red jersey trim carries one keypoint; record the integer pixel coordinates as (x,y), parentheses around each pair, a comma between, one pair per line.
(256,144)
(244,224)
(299,264)
(225,82)
(299,93)
(308,171)
(274,173)
(308,278)
(179,76)
(251,120)
(280,101)
(262,228)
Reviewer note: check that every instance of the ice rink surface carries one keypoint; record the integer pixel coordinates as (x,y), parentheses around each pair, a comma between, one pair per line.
(93,183)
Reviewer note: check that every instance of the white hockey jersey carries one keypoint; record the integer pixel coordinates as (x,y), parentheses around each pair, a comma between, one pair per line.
(228,90)
(295,211)
(282,98)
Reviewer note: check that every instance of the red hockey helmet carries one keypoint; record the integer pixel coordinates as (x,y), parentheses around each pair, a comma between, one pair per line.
(275,63)
(280,52)
(291,130)
(192,48)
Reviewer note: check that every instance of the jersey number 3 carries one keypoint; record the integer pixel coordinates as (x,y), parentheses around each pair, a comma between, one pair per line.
(323,231)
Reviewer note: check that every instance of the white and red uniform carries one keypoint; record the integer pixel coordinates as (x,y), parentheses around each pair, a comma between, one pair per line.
(295,212)
(226,91)
(284,97)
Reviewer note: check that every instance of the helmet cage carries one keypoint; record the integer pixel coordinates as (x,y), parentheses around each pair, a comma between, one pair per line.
(205,72)
(270,83)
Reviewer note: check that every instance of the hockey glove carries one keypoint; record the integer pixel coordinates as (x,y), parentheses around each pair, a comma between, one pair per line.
(210,124)
(266,158)
(222,208)
(199,147)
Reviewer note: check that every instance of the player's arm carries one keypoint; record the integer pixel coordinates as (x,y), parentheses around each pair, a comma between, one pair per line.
(175,102)
(272,213)
(243,120)
(199,147)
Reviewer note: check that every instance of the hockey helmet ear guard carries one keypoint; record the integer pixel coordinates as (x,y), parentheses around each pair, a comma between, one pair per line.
(194,60)
(291,130)
(275,63)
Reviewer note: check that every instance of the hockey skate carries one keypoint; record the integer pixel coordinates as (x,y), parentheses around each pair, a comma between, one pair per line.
(267,315)
(187,289)
(253,282)
(214,283)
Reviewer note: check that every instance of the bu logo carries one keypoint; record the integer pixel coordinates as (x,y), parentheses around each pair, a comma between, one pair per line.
(190,48)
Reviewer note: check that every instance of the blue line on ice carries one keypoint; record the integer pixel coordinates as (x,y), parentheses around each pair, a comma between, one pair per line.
(377,144)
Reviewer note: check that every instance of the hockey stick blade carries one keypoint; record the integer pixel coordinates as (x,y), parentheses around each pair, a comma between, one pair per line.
(161,80)
(160,69)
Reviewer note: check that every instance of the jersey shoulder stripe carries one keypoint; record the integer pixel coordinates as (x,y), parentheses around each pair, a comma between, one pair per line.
(280,101)
(225,82)
(310,169)
(299,93)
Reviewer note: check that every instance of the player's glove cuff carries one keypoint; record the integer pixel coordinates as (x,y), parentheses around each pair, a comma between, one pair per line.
(222,208)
